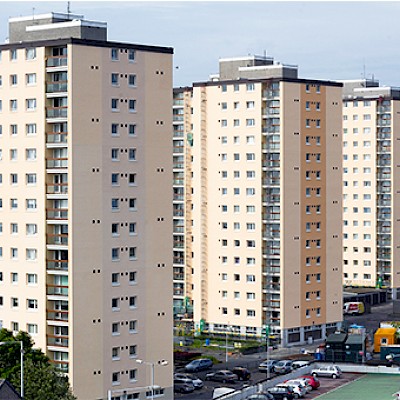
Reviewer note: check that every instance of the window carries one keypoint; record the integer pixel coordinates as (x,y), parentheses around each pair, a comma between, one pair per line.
(132,203)
(250,156)
(13,179)
(31,204)
(115,79)
(250,104)
(132,302)
(250,191)
(14,277)
(132,277)
(131,55)
(114,55)
(14,203)
(132,326)
(115,353)
(132,253)
(236,122)
(251,226)
(224,277)
(250,122)
(14,302)
(114,104)
(13,105)
(14,228)
(251,174)
(250,87)
(31,254)
(115,304)
(31,104)
(250,296)
(30,154)
(115,179)
(132,80)
(13,54)
(224,123)
(31,304)
(132,179)
(250,278)
(224,106)
(115,279)
(114,154)
(132,351)
(115,328)
(250,139)
(132,130)
(31,129)
(251,313)
(13,80)
(115,229)
(32,329)
(132,228)
(115,378)
(132,105)
(236,157)
(31,179)
(115,254)
(30,79)
(30,53)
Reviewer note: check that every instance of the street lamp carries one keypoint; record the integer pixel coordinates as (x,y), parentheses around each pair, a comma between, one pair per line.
(163,362)
(226,344)
(22,361)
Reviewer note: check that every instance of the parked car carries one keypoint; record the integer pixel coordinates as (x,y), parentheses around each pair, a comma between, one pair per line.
(267,365)
(300,381)
(222,375)
(200,364)
(298,390)
(281,392)
(300,363)
(313,381)
(183,385)
(332,371)
(242,373)
(283,366)
(261,396)
(197,383)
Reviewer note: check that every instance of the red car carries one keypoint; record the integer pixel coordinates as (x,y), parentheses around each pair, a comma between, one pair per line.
(312,381)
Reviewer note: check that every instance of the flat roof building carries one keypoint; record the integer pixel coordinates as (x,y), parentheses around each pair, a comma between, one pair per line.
(264,201)
(86,203)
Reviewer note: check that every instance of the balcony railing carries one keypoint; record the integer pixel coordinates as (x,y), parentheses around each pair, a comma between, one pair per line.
(59,137)
(57,162)
(57,315)
(58,239)
(57,87)
(57,112)
(61,341)
(57,265)
(57,188)
(60,366)
(57,61)
(58,290)
(57,213)
(179,277)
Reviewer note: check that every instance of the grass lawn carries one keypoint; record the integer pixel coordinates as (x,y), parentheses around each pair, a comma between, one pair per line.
(369,387)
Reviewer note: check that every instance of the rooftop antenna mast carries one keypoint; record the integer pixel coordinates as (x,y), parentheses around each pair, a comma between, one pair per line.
(68,8)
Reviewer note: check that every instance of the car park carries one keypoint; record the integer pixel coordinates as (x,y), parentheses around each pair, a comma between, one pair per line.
(200,364)
(267,365)
(283,366)
(313,381)
(299,391)
(331,371)
(223,375)
(183,385)
(242,373)
(281,393)
(197,383)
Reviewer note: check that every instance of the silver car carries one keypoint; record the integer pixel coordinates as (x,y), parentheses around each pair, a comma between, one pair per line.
(283,366)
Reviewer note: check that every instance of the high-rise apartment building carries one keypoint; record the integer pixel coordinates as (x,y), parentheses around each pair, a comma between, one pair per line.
(264,235)
(371,185)
(86,203)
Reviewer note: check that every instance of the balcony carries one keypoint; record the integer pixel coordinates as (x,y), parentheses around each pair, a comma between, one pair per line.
(56,62)
(57,213)
(61,341)
(57,188)
(179,260)
(272,271)
(57,265)
(60,366)
(178,292)
(57,87)
(57,290)
(177,118)
(271,93)
(271,182)
(178,276)
(178,150)
(57,315)
(57,239)
(57,112)
(56,137)
(271,129)
(57,162)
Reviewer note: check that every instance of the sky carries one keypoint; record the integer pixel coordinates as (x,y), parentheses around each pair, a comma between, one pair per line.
(327,40)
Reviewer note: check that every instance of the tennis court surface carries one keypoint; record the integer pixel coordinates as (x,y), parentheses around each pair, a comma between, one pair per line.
(368,387)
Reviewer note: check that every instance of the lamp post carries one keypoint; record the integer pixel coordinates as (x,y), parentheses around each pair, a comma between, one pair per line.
(226,345)
(163,362)
(22,361)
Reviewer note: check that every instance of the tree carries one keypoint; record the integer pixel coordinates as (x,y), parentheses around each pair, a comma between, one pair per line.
(41,380)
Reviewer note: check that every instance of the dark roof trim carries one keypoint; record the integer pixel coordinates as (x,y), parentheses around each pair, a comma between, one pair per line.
(293,80)
(86,42)
(182,89)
